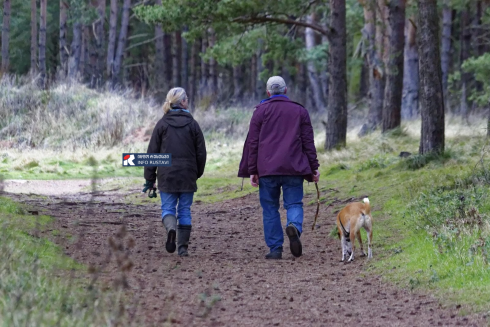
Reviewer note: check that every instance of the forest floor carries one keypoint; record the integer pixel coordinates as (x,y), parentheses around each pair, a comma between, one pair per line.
(226,281)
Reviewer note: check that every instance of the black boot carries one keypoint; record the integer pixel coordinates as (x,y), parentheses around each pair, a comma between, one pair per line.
(294,241)
(170,223)
(183,239)
(276,254)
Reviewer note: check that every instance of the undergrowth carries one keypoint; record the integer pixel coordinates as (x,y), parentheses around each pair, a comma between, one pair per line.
(39,284)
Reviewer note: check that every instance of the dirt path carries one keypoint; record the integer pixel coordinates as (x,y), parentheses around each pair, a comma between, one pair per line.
(226,281)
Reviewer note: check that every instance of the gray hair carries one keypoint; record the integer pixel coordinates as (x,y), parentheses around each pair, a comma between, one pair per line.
(277,90)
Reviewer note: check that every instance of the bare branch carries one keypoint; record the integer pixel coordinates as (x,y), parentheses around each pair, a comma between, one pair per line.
(141,43)
(263,19)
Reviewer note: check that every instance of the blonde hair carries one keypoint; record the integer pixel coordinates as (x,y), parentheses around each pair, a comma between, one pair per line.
(174,97)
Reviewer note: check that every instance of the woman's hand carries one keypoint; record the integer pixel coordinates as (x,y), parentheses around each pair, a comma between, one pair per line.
(149,185)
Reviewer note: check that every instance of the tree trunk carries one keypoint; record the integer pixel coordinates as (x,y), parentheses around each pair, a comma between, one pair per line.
(185,64)
(5,36)
(253,76)
(99,45)
(75,51)
(213,69)
(161,86)
(42,43)
(380,70)
(478,35)
(394,68)
(237,84)
(167,59)
(324,77)
(92,59)
(431,94)
(177,60)
(336,132)
(364,79)
(84,68)
(465,54)
(377,76)
(193,71)
(480,43)
(301,85)
(203,87)
(316,87)
(62,41)
(260,86)
(410,102)
(369,33)
(33,36)
(447,17)
(112,39)
(121,43)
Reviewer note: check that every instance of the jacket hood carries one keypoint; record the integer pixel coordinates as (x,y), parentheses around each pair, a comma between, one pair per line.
(178,118)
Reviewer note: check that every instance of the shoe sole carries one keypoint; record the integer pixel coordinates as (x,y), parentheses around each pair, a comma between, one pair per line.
(170,245)
(274,258)
(294,242)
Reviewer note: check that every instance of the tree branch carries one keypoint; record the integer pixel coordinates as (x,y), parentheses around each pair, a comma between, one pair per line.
(263,19)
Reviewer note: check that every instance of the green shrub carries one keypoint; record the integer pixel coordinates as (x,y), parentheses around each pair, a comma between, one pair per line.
(377,162)
(419,161)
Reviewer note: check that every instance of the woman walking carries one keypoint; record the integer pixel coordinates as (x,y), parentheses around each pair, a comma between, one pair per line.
(178,134)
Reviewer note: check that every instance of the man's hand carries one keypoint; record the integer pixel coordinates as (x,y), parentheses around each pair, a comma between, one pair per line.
(254,180)
(316,176)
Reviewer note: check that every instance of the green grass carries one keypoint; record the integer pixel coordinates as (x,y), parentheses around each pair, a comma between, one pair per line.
(424,237)
(421,238)
(37,284)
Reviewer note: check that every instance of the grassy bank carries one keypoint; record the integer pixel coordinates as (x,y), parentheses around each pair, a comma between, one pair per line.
(37,281)
(432,214)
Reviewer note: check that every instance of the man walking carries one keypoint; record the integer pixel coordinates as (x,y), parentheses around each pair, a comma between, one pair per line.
(280,152)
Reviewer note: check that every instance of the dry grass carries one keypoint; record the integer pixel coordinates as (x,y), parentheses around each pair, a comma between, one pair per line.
(404,139)
(68,116)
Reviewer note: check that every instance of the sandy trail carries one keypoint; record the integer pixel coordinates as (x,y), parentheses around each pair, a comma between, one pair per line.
(226,281)
(47,188)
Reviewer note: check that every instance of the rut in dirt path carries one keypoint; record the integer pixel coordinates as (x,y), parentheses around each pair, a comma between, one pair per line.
(226,281)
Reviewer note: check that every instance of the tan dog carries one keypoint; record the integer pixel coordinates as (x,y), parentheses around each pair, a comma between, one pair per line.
(349,222)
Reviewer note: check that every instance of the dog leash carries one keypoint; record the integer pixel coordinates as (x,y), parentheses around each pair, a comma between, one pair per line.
(317,206)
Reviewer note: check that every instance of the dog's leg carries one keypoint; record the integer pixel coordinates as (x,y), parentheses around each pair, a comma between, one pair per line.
(342,242)
(370,239)
(353,244)
(363,254)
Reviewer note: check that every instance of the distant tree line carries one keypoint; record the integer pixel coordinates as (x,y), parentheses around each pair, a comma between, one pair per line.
(402,59)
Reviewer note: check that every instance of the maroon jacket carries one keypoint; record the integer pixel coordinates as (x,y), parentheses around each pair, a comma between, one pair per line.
(279,141)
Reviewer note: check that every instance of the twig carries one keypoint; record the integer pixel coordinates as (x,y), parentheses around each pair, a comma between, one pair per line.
(264,19)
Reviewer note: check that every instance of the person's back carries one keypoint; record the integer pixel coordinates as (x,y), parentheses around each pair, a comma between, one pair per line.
(178,134)
(279,153)
(285,139)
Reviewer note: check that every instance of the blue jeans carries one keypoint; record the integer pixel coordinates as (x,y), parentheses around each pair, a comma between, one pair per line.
(169,206)
(269,193)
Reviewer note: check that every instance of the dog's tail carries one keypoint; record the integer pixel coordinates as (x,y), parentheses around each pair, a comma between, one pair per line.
(367,206)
